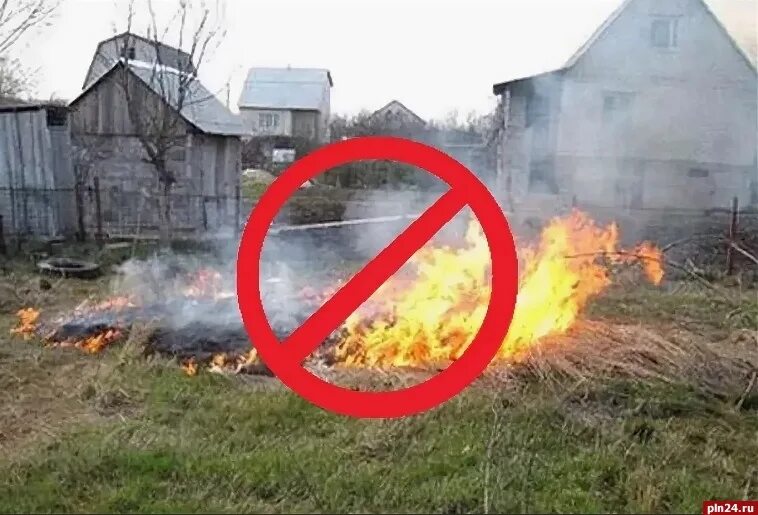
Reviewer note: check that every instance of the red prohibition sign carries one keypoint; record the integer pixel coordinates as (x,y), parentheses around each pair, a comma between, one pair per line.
(285,358)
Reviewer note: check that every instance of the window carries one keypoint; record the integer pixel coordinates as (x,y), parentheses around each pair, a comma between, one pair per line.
(698,173)
(537,109)
(542,178)
(617,106)
(178,154)
(129,53)
(57,116)
(268,120)
(664,33)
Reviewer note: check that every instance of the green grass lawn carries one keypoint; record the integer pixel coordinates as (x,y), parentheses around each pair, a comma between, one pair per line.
(120,432)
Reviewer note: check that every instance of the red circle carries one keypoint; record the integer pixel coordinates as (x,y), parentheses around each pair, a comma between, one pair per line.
(459,374)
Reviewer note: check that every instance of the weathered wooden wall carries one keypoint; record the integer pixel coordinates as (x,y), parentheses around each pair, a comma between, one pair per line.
(104,109)
(206,167)
(36,177)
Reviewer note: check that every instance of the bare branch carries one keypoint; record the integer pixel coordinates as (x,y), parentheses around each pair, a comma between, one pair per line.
(17,17)
(159,89)
(663,261)
(744,252)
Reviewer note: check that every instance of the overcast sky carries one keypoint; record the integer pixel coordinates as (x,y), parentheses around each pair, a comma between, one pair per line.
(433,55)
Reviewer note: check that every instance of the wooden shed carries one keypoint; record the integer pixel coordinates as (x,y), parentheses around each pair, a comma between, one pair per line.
(36,176)
(206,159)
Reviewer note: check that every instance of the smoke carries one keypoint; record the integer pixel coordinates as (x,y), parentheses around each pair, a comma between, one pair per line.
(658,114)
(299,266)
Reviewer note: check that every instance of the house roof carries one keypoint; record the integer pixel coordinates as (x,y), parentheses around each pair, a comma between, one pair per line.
(403,107)
(201,107)
(164,51)
(10,105)
(285,88)
(150,42)
(550,59)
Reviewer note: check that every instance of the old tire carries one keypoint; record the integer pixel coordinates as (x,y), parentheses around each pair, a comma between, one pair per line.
(66,267)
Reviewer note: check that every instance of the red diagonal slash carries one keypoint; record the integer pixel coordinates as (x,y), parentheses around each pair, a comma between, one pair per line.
(359,289)
(285,359)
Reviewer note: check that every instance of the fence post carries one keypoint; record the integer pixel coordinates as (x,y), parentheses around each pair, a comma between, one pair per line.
(733,228)
(98,212)
(79,198)
(204,200)
(237,211)
(3,248)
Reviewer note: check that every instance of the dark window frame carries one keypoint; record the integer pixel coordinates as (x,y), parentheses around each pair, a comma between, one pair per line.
(543,171)
(537,109)
(664,32)
(617,105)
(57,116)
(698,173)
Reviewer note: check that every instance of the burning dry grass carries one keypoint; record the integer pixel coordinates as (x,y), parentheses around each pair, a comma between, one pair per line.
(435,313)
(27,323)
(597,352)
(601,351)
(426,318)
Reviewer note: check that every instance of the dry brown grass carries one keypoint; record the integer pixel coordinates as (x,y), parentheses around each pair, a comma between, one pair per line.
(597,351)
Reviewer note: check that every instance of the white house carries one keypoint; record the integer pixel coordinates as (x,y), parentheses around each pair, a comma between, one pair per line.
(294,102)
(657,109)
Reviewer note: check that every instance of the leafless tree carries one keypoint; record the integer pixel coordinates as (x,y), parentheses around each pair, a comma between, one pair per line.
(85,156)
(158,92)
(18,17)
(14,79)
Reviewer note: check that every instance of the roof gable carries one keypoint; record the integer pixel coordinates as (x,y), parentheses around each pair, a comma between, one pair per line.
(705,51)
(108,52)
(553,63)
(397,106)
(201,108)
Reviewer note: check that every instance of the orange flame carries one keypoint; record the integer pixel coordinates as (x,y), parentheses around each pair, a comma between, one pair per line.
(115,304)
(27,323)
(206,283)
(96,344)
(230,364)
(434,317)
(190,367)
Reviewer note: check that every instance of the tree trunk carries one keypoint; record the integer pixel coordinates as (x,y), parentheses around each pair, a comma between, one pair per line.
(165,216)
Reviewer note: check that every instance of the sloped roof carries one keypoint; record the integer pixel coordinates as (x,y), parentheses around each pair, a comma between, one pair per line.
(166,54)
(739,27)
(162,46)
(11,105)
(401,106)
(285,88)
(200,108)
